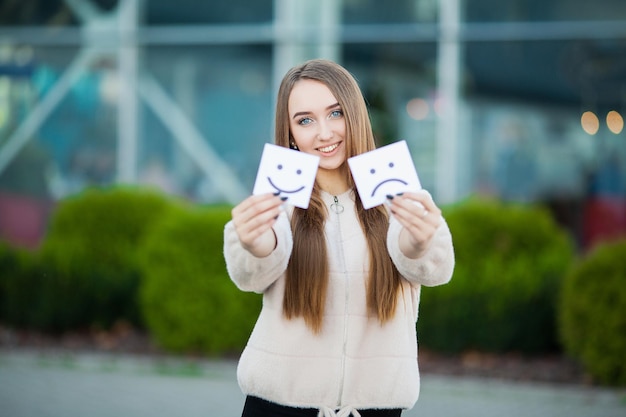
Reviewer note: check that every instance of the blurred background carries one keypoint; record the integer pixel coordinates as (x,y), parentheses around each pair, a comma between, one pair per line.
(129,128)
(522,100)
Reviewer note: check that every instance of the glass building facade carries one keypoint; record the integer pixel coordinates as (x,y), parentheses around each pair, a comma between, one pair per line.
(522,100)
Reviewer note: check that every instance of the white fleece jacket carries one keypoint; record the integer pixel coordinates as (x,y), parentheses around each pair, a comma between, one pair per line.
(355,363)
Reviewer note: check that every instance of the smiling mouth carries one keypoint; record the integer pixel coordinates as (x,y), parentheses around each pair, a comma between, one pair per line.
(329,148)
(386,181)
(284,191)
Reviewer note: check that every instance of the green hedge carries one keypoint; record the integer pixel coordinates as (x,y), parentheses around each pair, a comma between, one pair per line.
(502,297)
(593,313)
(133,254)
(25,293)
(86,270)
(11,267)
(189,302)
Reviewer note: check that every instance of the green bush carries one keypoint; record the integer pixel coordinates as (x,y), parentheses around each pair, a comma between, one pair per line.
(593,313)
(87,267)
(502,297)
(10,267)
(24,288)
(188,300)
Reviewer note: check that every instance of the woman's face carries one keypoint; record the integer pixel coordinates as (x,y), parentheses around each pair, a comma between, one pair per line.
(317,123)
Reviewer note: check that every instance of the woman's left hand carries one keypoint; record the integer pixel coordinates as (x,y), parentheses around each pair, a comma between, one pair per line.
(420,218)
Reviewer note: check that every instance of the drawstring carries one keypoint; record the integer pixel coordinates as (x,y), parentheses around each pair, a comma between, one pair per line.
(346,411)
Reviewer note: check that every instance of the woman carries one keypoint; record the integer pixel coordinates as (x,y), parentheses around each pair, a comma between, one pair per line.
(340,284)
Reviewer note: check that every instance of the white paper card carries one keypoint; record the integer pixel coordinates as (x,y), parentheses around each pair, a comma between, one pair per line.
(386,170)
(288,172)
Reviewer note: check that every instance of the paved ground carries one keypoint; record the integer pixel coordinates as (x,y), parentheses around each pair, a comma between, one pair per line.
(35,384)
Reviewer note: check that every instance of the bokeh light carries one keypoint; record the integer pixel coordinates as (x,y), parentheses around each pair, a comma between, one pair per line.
(590,122)
(417,108)
(615,122)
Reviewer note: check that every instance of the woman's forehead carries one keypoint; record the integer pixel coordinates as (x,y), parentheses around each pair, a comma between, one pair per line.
(310,95)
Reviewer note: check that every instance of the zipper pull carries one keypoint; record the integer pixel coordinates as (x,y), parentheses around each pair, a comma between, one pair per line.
(336,206)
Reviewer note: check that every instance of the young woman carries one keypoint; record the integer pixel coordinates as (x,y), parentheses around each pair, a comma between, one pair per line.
(340,284)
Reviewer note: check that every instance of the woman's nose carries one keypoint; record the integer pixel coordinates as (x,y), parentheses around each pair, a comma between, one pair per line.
(325,131)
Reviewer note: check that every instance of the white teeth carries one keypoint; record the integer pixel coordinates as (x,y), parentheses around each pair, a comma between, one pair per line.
(328,148)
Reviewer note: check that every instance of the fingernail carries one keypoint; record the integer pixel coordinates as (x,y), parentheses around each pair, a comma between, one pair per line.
(276,193)
(389,196)
(284,198)
(399,194)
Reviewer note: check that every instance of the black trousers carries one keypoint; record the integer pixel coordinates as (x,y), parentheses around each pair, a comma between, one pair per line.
(257,407)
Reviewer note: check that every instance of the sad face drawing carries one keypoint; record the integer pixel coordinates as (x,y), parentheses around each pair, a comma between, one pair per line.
(386,170)
(386,178)
(287,172)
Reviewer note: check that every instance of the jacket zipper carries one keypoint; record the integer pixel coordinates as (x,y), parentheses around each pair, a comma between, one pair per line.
(338,210)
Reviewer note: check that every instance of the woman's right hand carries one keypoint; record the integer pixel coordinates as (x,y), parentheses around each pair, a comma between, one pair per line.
(253,219)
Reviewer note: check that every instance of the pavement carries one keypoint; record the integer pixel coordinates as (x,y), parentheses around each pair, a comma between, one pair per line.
(61,384)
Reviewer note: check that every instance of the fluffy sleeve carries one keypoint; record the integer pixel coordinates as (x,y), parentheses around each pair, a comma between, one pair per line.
(434,266)
(253,274)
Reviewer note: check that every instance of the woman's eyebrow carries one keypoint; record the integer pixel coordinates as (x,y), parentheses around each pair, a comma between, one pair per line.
(300,113)
(304,113)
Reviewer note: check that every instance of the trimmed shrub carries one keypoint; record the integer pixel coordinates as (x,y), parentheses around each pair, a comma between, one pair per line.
(593,313)
(25,291)
(189,302)
(510,260)
(10,268)
(88,261)
(24,288)
(32,295)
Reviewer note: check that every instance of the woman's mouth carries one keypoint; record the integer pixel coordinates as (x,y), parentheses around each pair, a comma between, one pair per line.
(329,148)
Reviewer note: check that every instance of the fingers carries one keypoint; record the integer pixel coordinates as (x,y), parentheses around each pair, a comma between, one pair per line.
(255,205)
(419,217)
(254,216)
(415,207)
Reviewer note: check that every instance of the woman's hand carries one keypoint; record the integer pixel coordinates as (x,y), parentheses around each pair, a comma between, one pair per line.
(420,218)
(253,219)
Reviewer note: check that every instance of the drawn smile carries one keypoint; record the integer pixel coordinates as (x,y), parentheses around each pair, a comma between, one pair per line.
(386,181)
(284,191)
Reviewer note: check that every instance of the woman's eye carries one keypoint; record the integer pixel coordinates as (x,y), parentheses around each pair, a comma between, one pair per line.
(305,121)
(336,113)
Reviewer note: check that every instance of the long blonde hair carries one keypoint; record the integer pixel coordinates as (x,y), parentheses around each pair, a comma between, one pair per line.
(307,271)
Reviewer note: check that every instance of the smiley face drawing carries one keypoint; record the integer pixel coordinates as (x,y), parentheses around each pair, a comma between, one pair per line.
(280,167)
(287,172)
(386,170)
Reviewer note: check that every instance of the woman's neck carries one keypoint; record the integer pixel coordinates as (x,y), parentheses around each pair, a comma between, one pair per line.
(334,181)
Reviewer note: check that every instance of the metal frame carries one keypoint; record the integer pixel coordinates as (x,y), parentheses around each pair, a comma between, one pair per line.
(124,20)
(119,34)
